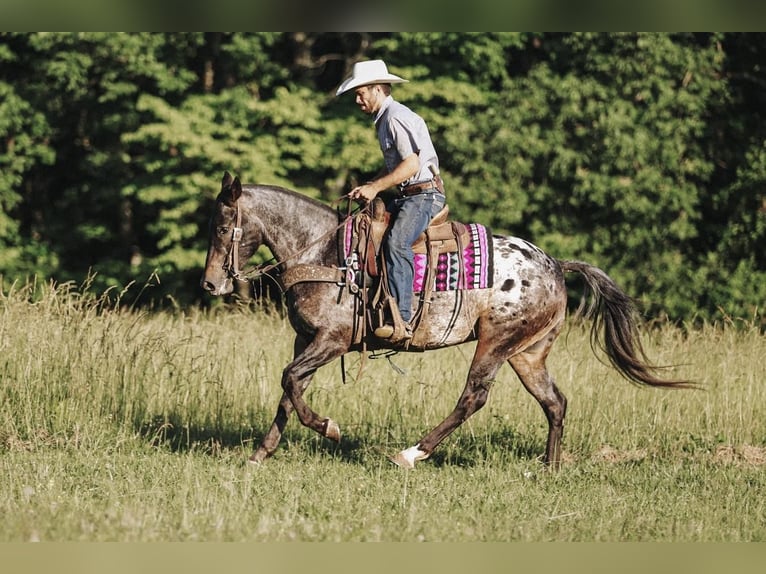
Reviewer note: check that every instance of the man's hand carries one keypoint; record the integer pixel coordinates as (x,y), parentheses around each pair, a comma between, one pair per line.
(402,172)
(366,192)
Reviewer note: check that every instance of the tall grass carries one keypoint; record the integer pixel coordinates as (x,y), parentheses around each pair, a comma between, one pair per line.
(119,424)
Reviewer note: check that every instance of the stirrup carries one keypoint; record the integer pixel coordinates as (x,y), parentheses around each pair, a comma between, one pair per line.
(384,331)
(390,333)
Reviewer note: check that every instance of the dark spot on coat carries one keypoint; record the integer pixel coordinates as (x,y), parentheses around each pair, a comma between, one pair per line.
(526,254)
(508,284)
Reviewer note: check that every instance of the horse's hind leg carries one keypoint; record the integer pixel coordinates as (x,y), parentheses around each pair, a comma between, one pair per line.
(530,367)
(480,377)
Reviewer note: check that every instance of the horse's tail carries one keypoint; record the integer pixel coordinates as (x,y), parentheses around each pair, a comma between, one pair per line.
(615,327)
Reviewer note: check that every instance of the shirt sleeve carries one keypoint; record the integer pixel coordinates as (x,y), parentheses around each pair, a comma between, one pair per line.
(404,137)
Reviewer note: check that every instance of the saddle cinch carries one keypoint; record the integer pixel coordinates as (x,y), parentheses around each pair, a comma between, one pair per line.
(369,230)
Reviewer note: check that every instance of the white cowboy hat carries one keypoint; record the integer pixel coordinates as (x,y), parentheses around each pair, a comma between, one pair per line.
(366,73)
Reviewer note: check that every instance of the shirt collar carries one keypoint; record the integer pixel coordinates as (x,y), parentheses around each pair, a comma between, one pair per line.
(383,108)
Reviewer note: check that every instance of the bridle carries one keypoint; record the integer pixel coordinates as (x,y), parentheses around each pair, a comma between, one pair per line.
(231,262)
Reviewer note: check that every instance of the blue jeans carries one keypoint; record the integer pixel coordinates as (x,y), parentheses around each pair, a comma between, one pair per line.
(411,217)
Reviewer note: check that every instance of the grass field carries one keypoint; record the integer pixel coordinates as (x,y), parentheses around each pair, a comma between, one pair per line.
(121,425)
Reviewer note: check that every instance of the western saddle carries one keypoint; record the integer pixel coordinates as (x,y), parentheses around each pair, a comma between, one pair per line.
(369,230)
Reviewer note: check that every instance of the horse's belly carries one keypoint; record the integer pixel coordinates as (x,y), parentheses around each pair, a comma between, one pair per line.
(453,315)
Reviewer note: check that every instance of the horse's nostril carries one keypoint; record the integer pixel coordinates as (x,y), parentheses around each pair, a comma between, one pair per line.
(208,286)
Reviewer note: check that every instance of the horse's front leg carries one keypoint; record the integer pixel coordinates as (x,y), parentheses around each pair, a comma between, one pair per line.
(295,378)
(323,348)
(270,441)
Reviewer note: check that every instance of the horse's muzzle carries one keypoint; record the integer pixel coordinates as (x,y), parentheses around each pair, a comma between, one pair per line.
(223,288)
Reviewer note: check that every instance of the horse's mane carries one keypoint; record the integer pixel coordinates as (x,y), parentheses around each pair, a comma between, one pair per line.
(254,188)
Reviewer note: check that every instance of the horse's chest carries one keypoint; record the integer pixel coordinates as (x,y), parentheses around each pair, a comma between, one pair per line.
(312,306)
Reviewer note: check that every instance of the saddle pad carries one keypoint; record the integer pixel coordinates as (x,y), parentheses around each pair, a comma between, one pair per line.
(477,259)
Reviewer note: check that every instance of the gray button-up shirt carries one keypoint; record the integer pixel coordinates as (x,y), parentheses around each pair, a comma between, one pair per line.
(402,132)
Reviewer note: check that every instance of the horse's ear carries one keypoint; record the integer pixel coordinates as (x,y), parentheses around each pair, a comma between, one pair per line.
(231,189)
(236,189)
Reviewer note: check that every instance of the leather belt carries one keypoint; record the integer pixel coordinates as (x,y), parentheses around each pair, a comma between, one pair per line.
(416,188)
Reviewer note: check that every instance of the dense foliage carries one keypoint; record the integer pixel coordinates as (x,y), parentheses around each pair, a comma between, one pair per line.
(644,154)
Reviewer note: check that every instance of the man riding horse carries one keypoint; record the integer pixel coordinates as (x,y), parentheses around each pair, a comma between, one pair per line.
(411,164)
(505,293)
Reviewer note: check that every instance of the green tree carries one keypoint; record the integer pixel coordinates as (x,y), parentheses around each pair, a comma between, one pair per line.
(24,134)
(642,153)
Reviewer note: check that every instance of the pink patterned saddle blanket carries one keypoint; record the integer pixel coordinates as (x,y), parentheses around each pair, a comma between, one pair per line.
(476,257)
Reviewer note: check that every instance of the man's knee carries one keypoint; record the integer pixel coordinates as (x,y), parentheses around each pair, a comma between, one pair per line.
(398,248)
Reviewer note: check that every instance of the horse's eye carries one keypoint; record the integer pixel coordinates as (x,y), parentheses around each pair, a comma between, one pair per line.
(222,230)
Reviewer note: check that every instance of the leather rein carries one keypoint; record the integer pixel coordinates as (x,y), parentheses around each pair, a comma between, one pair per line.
(299,273)
(344,276)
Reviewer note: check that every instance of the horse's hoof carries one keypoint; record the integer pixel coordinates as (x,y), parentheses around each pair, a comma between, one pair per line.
(402,462)
(256,459)
(407,458)
(332,430)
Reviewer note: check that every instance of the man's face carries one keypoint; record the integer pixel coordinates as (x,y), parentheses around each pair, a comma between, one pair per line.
(369,99)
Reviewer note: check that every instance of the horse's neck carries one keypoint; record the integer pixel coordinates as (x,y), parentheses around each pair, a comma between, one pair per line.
(295,228)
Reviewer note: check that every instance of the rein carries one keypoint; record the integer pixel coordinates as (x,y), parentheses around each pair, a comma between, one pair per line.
(297,274)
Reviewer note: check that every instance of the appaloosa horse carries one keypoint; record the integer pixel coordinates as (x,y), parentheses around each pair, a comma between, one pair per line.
(516,320)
